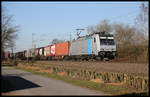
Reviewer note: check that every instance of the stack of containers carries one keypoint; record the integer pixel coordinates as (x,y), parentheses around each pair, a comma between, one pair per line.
(36,51)
(45,52)
(48,50)
(41,51)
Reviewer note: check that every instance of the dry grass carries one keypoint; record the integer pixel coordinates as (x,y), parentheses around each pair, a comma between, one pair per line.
(62,74)
(116,84)
(129,68)
(97,80)
(46,71)
(101,81)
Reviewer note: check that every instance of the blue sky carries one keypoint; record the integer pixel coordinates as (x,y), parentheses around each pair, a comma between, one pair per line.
(49,20)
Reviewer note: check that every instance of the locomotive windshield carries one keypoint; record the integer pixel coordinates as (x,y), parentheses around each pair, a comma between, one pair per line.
(107,42)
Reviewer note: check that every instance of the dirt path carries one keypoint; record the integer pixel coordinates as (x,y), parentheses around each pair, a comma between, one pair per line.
(27,83)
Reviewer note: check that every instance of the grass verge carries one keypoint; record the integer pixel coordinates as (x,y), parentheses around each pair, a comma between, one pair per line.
(108,89)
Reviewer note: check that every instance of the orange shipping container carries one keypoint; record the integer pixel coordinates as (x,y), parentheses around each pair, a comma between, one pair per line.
(62,48)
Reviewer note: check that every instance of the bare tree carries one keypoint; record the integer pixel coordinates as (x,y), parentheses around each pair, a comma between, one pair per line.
(141,21)
(104,26)
(139,37)
(124,34)
(9,31)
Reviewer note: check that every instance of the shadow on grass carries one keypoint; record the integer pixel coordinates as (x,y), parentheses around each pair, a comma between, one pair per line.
(12,83)
(136,94)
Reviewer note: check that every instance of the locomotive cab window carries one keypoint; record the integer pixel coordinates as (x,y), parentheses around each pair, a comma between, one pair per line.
(107,42)
(103,42)
(111,42)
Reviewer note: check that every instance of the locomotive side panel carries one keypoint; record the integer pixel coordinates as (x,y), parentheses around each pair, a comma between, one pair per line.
(79,47)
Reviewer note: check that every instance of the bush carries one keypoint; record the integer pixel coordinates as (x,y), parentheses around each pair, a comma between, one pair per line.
(133,53)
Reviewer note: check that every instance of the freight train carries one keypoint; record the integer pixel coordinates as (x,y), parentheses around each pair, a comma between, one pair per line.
(94,46)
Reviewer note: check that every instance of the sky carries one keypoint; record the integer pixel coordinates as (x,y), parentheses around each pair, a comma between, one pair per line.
(49,20)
